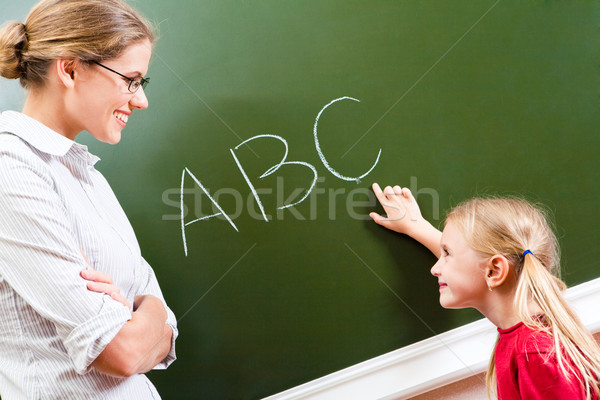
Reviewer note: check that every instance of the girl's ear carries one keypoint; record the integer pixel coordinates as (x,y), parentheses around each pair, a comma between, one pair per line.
(66,70)
(497,271)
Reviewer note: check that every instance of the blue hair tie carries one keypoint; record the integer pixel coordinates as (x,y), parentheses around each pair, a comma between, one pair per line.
(527,252)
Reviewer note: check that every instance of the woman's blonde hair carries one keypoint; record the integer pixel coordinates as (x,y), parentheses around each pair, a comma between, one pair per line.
(509,226)
(88,30)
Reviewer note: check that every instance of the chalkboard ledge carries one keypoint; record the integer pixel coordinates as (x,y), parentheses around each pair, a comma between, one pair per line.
(432,363)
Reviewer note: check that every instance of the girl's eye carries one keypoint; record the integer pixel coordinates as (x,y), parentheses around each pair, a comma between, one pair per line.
(445,252)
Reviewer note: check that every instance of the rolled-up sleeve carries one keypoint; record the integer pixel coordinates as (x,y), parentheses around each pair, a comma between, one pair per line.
(40,259)
(152,287)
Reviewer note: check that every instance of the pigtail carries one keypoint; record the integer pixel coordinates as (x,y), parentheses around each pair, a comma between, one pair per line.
(572,340)
(490,376)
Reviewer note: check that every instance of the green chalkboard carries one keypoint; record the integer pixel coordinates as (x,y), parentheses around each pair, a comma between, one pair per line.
(460,97)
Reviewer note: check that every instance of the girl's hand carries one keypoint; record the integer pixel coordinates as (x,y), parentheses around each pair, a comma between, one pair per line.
(404,216)
(102,283)
(403,213)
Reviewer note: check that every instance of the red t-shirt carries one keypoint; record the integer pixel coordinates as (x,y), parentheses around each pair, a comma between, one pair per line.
(526,367)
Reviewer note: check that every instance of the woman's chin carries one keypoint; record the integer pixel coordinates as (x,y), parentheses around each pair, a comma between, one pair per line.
(113,137)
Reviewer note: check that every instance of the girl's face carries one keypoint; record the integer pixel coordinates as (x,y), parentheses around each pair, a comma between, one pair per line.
(102,101)
(460,272)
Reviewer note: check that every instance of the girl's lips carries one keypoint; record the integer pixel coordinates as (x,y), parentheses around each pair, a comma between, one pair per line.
(442,285)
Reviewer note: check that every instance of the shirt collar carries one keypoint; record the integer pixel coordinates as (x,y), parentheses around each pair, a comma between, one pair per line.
(43,138)
(511,329)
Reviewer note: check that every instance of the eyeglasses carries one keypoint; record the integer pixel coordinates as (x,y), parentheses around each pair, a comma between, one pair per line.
(134,83)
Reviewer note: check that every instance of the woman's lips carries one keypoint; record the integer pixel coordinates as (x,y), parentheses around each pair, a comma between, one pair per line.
(121,118)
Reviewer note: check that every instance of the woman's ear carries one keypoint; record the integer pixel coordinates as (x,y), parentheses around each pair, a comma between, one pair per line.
(66,70)
(497,271)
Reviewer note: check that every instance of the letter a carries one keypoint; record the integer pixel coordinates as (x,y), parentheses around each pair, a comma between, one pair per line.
(183,223)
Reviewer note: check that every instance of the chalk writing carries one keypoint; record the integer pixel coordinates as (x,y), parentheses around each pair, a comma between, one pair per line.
(267,173)
(322,157)
(272,170)
(201,186)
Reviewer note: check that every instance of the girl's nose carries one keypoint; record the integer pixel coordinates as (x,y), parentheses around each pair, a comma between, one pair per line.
(435,270)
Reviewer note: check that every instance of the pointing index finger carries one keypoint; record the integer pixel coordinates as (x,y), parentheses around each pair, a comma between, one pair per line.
(378,192)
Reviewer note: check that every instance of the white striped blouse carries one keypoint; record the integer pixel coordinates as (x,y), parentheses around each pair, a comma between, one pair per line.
(54,205)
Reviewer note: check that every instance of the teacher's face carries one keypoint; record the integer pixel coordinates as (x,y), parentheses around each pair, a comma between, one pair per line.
(104,101)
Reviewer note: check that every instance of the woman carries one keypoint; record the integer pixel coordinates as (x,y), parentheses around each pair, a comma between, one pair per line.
(73,328)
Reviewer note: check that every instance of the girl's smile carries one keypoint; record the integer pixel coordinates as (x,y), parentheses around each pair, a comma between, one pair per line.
(460,272)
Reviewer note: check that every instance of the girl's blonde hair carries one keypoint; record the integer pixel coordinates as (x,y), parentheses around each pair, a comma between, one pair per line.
(509,226)
(89,30)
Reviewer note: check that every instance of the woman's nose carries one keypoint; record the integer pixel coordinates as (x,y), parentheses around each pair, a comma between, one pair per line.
(139,99)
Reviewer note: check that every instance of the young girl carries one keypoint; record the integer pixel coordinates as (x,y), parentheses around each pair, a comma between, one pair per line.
(499,256)
(68,331)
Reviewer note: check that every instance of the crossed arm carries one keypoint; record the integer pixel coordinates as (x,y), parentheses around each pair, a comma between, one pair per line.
(143,342)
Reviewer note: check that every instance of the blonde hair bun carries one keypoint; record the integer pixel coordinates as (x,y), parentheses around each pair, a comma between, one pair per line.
(88,30)
(13,42)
